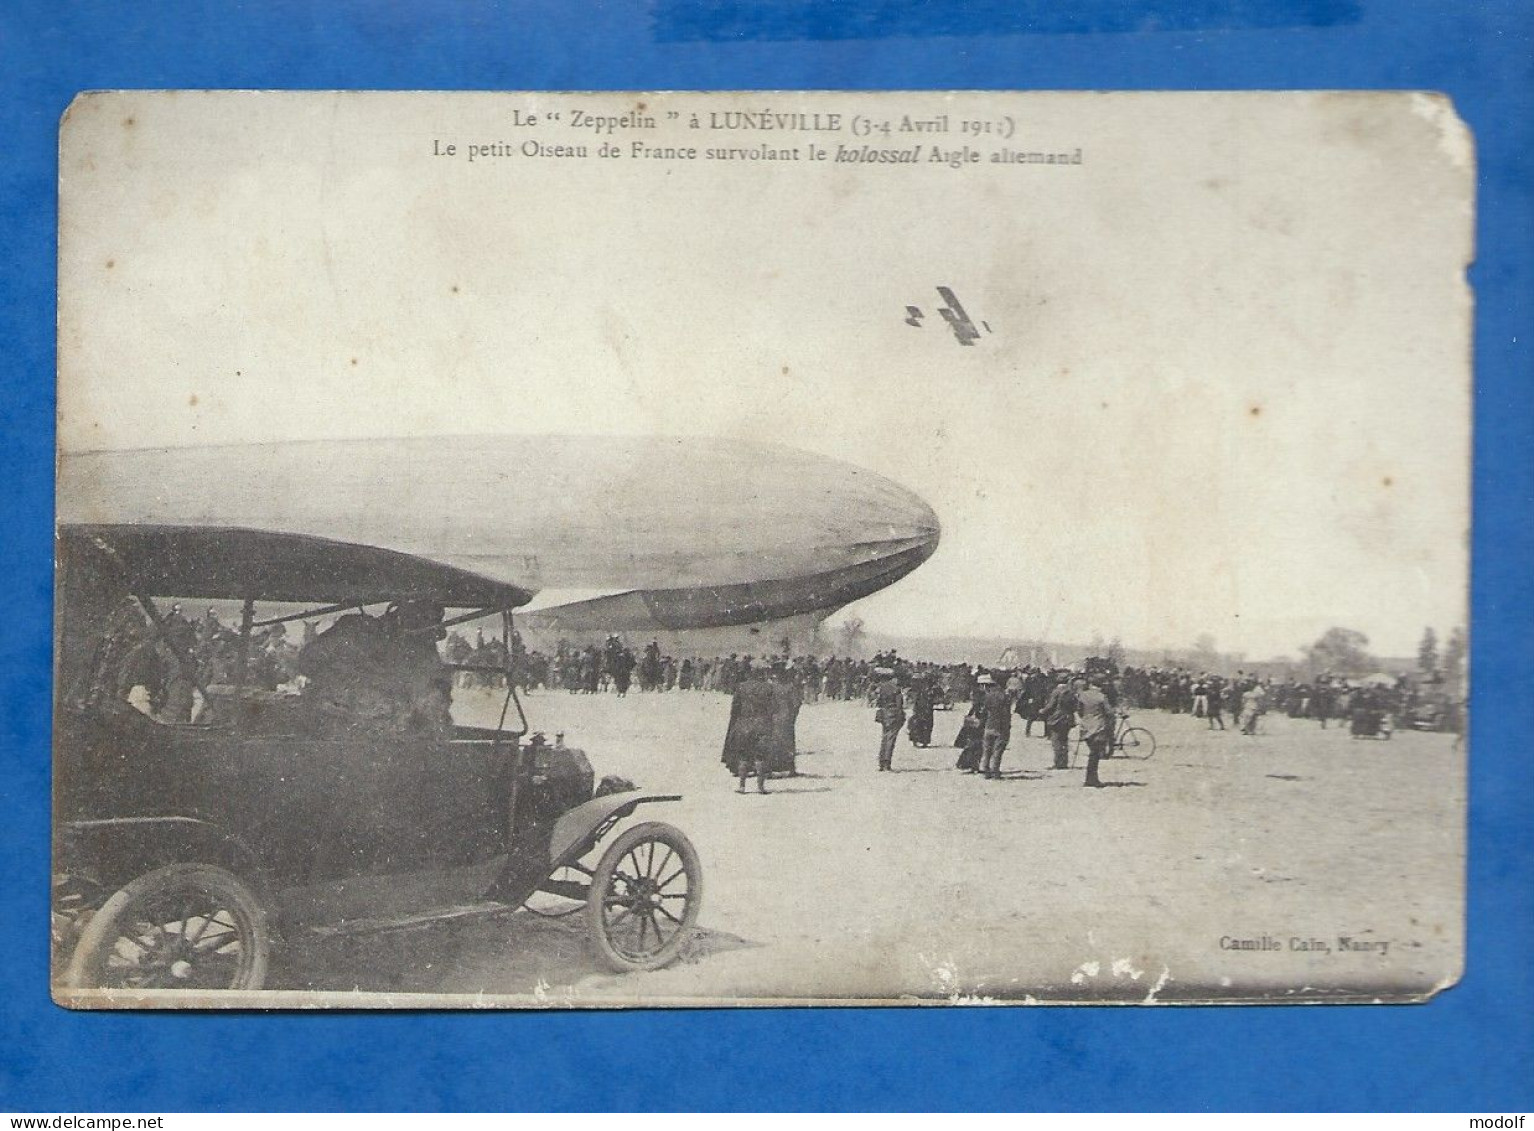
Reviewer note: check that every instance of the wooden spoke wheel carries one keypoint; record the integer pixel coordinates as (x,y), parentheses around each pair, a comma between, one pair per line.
(644,897)
(182,927)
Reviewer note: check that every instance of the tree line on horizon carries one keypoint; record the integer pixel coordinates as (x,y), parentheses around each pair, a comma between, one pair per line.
(1339,650)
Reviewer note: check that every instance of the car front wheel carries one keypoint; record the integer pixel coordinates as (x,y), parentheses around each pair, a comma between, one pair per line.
(644,897)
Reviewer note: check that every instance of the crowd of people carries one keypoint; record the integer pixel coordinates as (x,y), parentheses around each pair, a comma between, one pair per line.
(1091,701)
(1327,698)
(169,661)
(616,668)
(1238,700)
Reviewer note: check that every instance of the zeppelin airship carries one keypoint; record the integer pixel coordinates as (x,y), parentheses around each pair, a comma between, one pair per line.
(706,544)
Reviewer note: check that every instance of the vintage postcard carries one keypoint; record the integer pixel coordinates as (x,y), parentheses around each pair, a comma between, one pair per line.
(549,549)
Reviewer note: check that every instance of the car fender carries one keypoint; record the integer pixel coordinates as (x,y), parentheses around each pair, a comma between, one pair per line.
(117,850)
(574,831)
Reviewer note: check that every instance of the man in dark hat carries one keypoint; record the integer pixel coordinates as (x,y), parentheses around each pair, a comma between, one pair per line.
(1059,714)
(621,668)
(1029,704)
(998,725)
(889,714)
(381,673)
(1214,700)
(1097,719)
(178,645)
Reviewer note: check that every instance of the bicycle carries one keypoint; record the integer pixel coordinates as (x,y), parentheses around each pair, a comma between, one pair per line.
(1128,741)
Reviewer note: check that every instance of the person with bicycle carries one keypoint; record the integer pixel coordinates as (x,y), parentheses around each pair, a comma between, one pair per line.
(1097,719)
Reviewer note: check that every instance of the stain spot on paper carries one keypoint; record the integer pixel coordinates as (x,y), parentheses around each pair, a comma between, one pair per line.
(1084,971)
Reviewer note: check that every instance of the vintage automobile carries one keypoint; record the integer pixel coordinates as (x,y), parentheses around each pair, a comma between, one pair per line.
(186,846)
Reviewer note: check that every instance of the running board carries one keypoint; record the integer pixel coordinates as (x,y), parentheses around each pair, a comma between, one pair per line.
(405,922)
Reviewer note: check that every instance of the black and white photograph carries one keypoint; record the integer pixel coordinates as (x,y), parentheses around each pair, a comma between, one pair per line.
(554,550)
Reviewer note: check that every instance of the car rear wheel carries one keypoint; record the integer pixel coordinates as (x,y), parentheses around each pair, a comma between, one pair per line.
(644,897)
(182,927)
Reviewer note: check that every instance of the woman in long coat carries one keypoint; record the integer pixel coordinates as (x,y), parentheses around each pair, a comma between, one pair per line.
(786,700)
(919,726)
(971,737)
(748,740)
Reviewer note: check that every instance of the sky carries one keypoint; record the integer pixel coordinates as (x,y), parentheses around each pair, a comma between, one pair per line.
(1223,384)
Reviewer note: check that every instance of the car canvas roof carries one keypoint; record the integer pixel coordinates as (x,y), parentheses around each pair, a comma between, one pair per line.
(214,562)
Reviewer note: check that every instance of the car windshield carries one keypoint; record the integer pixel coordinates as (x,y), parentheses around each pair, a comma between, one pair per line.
(390,666)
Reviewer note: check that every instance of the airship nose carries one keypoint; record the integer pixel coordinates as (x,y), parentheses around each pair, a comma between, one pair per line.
(925,521)
(886,520)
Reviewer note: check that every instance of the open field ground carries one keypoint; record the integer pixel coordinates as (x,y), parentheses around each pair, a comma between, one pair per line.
(1223,867)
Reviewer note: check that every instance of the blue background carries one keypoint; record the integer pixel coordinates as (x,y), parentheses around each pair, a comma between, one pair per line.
(1472,1049)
